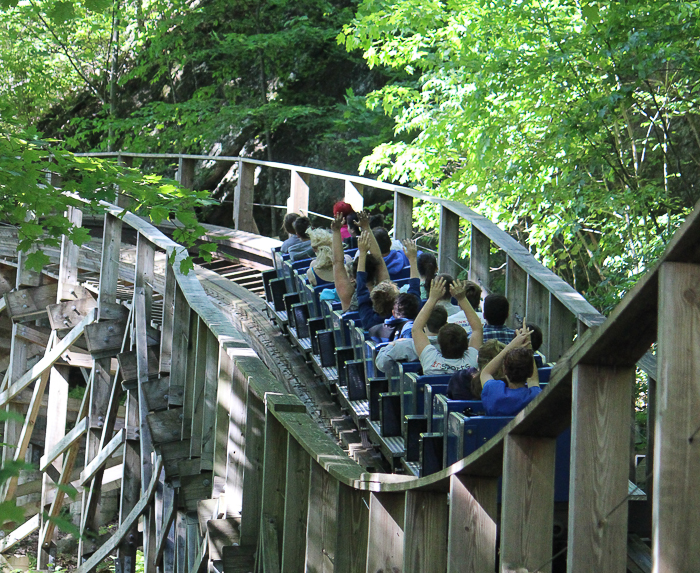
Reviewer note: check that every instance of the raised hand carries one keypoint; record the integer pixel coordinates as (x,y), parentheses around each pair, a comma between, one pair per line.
(458,289)
(363,220)
(364,242)
(410,248)
(337,223)
(437,289)
(521,340)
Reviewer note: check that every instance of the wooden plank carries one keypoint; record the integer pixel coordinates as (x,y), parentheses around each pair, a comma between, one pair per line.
(109,450)
(166,426)
(30,303)
(471,541)
(298,201)
(354,195)
(145,271)
(538,309)
(600,433)
(274,463)
(403,216)
(270,543)
(220,533)
(211,380)
(251,504)
(516,293)
(68,314)
(68,269)
(109,265)
(22,532)
(448,250)
(561,330)
(527,506)
(322,521)
(111,544)
(194,404)
(185,172)
(131,479)
(296,502)
(63,444)
(385,539)
(676,502)
(243,199)
(193,489)
(352,523)
(105,337)
(425,532)
(33,334)
(479,254)
(166,333)
(128,365)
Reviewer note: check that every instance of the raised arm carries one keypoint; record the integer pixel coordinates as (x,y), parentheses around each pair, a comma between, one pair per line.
(343,285)
(411,250)
(420,339)
(521,340)
(458,290)
(382,271)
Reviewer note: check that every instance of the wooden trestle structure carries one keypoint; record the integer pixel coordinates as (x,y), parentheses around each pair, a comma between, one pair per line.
(210,445)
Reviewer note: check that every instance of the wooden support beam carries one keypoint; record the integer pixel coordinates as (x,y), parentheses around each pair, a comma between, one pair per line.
(538,309)
(211,380)
(144,276)
(561,329)
(471,541)
(322,521)
(676,503)
(22,532)
(385,538)
(195,405)
(243,199)
(185,172)
(274,464)
(448,251)
(354,195)
(251,504)
(63,444)
(403,216)
(352,523)
(600,434)
(109,266)
(425,532)
(298,201)
(68,267)
(101,459)
(296,505)
(124,528)
(166,331)
(479,254)
(516,293)
(527,506)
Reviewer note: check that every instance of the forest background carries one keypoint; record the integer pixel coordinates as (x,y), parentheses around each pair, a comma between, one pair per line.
(572,124)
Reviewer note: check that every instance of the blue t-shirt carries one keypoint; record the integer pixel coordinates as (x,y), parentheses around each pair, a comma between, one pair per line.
(499,400)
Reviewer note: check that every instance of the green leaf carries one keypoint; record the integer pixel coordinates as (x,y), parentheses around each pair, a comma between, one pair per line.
(62,12)
(97,5)
(37,260)
(10,513)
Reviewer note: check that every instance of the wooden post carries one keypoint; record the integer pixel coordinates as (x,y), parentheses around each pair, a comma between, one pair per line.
(425,532)
(403,216)
(167,326)
(252,477)
(600,433)
(676,504)
(211,379)
(448,251)
(516,293)
(385,539)
(353,523)
(538,309)
(273,487)
(68,269)
(322,528)
(131,490)
(471,541)
(296,505)
(195,405)
(561,329)
(479,253)
(243,198)
(185,172)
(354,195)
(298,201)
(527,505)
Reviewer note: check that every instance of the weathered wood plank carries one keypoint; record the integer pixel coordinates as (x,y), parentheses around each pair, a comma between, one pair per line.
(479,254)
(538,309)
(448,250)
(109,450)
(676,503)
(22,532)
(296,502)
(403,217)
(527,506)
(322,521)
(63,444)
(516,293)
(425,532)
(352,523)
(243,199)
(385,539)
(298,201)
(251,504)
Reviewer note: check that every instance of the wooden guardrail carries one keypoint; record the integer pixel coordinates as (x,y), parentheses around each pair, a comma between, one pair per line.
(205,420)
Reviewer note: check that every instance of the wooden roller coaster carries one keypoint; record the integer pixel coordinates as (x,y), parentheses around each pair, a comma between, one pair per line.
(222,464)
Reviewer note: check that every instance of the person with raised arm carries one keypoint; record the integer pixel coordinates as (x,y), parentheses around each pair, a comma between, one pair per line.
(457,350)
(520,384)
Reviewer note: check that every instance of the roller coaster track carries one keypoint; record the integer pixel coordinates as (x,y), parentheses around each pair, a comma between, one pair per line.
(223,453)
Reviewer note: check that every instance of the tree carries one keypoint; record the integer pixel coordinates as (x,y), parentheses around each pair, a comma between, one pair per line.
(574,125)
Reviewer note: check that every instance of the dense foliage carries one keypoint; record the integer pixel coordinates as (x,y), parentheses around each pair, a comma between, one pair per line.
(574,124)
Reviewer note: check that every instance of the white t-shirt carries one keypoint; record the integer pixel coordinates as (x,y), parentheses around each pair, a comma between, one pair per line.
(401,350)
(461,319)
(433,362)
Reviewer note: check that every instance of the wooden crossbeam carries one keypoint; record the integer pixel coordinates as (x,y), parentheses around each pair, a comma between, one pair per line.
(99,555)
(96,464)
(165,529)
(62,445)
(23,531)
(45,364)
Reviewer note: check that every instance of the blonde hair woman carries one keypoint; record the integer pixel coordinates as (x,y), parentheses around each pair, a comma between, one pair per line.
(321,269)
